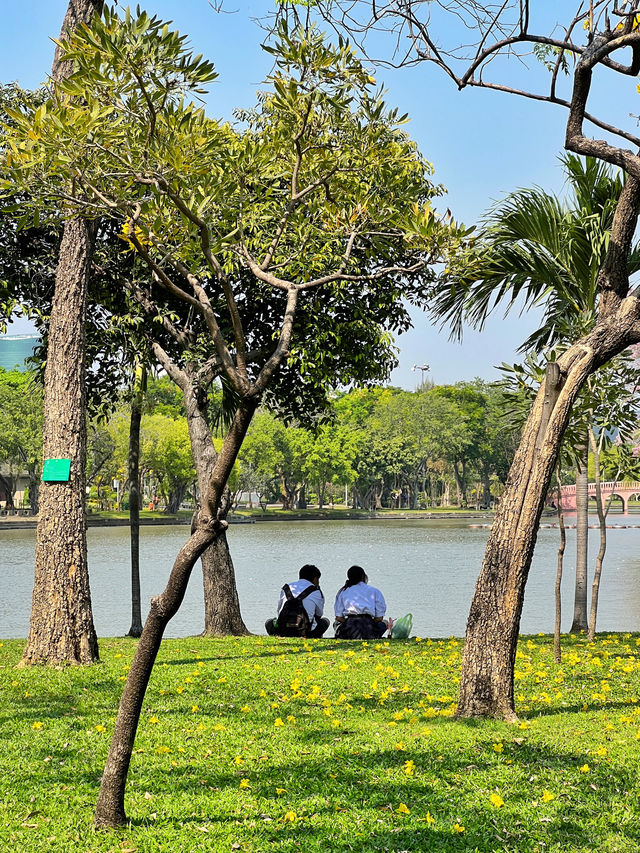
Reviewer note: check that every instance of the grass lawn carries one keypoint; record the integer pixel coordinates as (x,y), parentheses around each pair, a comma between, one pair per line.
(264,744)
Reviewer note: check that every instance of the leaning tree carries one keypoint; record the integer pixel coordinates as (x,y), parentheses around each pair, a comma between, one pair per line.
(472,43)
(319,203)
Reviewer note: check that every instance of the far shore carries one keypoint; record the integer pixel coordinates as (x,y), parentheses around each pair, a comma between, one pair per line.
(247,516)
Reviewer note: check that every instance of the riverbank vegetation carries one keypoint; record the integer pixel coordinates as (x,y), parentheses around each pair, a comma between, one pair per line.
(259,744)
(440,447)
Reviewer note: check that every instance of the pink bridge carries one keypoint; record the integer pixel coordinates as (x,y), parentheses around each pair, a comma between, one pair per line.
(624,490)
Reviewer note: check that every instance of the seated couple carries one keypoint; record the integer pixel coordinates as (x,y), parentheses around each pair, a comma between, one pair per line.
(359,608)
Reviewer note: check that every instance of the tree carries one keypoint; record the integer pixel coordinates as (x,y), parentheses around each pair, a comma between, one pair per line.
(61,623)
(166,454)
(329,458)
(533,245)
(305,212)
(463,41)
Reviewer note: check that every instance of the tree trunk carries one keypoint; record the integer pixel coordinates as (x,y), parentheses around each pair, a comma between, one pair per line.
(580,621)
(110,811)
(302,497)
(61,626)
(557,651)
(486,682)
(221,605)
(595,588)
(288,495)
(34,491)
(134,503)
(61,623)
(175,497)
(460,486)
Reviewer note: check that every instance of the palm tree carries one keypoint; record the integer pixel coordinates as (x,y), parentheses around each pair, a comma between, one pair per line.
(534,249)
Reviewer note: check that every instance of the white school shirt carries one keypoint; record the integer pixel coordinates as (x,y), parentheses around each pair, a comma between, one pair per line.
(313,603)
(360,599)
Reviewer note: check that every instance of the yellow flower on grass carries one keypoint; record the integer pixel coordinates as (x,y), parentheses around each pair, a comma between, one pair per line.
(428,819)
(547,796)
(409,767)
(153,720)
(245,709)
(403,809)
(281,791)
(400,746)
(524,725)
(458,827)
(291,718)
(498,747)
(163,750)
(100,728)
(278,721)
(37,725)
(602,751)
(237,760)
(496,800)
(194,708)
(290,817)
(219,727)
(585,768)
(244,783)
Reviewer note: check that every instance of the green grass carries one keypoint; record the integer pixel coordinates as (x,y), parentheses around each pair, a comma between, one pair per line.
(262,744)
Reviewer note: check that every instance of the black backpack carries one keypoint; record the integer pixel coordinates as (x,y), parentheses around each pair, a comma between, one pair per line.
(293,619)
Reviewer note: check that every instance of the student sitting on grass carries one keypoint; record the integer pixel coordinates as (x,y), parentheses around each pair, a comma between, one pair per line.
(359,609)
(300,607)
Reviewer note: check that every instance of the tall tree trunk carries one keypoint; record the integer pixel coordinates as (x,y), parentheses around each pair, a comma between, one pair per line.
(61,627)
(580,620)
(61,624)
(595,588)
(486,682)
(110,811)
(557,651)
(134,501)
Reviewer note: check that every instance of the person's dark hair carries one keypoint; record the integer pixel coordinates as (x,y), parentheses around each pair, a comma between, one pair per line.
(355,575)
(309,573)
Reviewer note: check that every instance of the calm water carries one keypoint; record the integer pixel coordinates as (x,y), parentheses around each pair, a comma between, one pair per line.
(428,568)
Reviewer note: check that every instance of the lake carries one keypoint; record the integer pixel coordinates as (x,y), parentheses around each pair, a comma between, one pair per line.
(426,567)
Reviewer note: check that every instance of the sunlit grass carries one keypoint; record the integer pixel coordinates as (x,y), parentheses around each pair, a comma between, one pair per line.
(263,744)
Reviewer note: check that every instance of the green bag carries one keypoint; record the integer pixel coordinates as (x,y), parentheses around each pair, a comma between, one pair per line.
(402,627)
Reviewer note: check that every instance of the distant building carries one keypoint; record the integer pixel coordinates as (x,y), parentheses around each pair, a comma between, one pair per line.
(16,349)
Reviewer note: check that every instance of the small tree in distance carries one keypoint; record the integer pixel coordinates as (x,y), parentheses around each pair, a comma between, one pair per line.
(321,200)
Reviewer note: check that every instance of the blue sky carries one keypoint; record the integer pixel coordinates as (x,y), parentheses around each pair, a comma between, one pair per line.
(482,144)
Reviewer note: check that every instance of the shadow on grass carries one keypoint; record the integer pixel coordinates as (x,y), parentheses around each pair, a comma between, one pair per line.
(370,786)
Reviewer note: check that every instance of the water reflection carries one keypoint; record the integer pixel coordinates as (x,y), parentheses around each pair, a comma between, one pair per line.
(428,568)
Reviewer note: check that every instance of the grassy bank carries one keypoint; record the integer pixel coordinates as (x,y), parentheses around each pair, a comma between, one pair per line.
(268,745)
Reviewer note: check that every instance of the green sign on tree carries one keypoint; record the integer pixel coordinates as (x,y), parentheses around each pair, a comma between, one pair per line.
(56,471)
